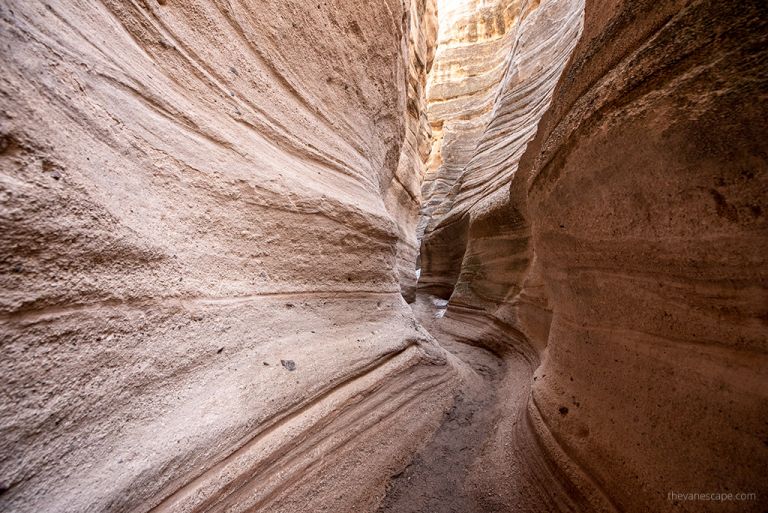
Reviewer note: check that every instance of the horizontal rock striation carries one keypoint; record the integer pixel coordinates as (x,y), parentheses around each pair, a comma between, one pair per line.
(403,195)
(473,52)
(210,214)
(619,247)
(646,189)
(203,209)
(474,243)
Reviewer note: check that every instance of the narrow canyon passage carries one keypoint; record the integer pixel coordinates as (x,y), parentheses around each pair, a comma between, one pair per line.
(395,256)
(484,456)
(437,478)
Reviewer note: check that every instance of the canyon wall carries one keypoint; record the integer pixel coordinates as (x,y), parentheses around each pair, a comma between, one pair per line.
(646,189)
(625,245)
(210,216)
(204,216)
(402,195)
(474,43)
(474,246)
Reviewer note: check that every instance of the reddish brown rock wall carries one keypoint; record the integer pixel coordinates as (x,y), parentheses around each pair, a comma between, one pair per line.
(647,197)
(629,246)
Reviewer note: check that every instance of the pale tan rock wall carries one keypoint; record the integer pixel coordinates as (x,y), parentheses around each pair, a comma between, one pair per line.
(475,245)
(403,196)
(192,192)
(474,44)
(208,225)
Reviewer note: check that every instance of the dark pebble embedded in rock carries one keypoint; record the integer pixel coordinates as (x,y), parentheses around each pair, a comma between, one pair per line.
(288,364)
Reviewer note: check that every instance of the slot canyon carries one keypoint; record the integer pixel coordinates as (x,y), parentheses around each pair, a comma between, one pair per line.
(386,256)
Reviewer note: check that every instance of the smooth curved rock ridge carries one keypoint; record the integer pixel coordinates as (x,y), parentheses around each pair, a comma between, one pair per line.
(210,215)
(202,214)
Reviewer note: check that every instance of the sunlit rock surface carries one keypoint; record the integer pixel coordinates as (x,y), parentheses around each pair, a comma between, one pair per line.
(212,213)
(474,47)
(472,242)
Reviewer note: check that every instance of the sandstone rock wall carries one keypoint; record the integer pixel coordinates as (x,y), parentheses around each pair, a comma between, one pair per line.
(474,44)
(628,244)
(203,209)
(403,195)
(646,189)
(209,226)
(475,244)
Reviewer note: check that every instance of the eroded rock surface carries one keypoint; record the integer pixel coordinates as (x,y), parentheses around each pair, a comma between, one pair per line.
(627,248)
(647,197)
(193,192)
(472,231)
(210,222)
(474,47)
